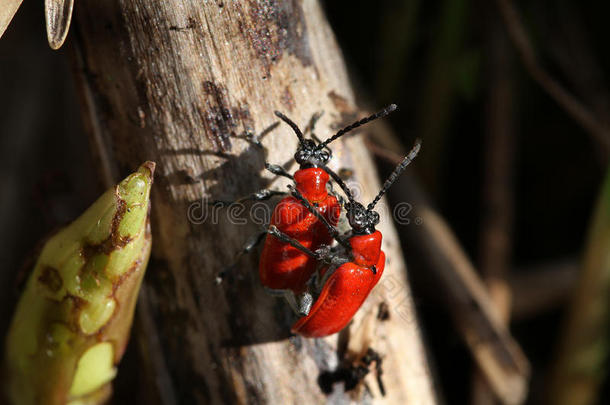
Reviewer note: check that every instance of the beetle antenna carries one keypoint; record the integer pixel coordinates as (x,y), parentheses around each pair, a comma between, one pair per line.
(294,126)
(340,182)
(379,114)
(396,173)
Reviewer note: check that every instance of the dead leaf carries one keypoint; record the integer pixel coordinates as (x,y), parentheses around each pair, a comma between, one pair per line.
(58,14)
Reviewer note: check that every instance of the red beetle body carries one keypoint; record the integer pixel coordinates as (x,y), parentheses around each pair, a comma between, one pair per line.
(346,289)
(281,265)
(350,283)
(301,230)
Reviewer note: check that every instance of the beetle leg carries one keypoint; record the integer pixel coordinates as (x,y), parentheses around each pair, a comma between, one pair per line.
(301,303)
(291,300)
(326,269)
(324,276)
(305,303)
(296,244)
(274,292)
(278,170)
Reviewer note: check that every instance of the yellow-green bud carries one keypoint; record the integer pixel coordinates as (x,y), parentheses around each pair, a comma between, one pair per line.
(72,322)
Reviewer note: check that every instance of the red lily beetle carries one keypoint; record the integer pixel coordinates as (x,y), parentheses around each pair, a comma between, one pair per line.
(282,266)
(353,271)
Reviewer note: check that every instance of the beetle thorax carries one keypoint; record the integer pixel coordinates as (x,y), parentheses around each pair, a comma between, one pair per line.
(366,248)
(311,182)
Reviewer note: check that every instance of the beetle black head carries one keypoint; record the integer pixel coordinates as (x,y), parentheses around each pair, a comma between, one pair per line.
(308,155)
(312,154)
(363,220)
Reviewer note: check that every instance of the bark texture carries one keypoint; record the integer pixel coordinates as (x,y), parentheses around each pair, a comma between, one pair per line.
(178,82)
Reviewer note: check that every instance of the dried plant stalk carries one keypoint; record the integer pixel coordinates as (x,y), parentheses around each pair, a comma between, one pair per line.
(580,365)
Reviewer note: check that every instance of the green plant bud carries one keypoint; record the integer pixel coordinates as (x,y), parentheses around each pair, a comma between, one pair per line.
(72,322)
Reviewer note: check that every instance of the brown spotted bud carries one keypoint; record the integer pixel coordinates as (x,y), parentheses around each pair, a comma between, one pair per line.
(72,322)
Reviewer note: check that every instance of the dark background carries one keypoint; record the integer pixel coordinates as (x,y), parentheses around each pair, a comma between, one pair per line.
(399,51)
(433,60)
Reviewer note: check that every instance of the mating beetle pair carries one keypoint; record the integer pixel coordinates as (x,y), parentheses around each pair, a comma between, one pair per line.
(298,258)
